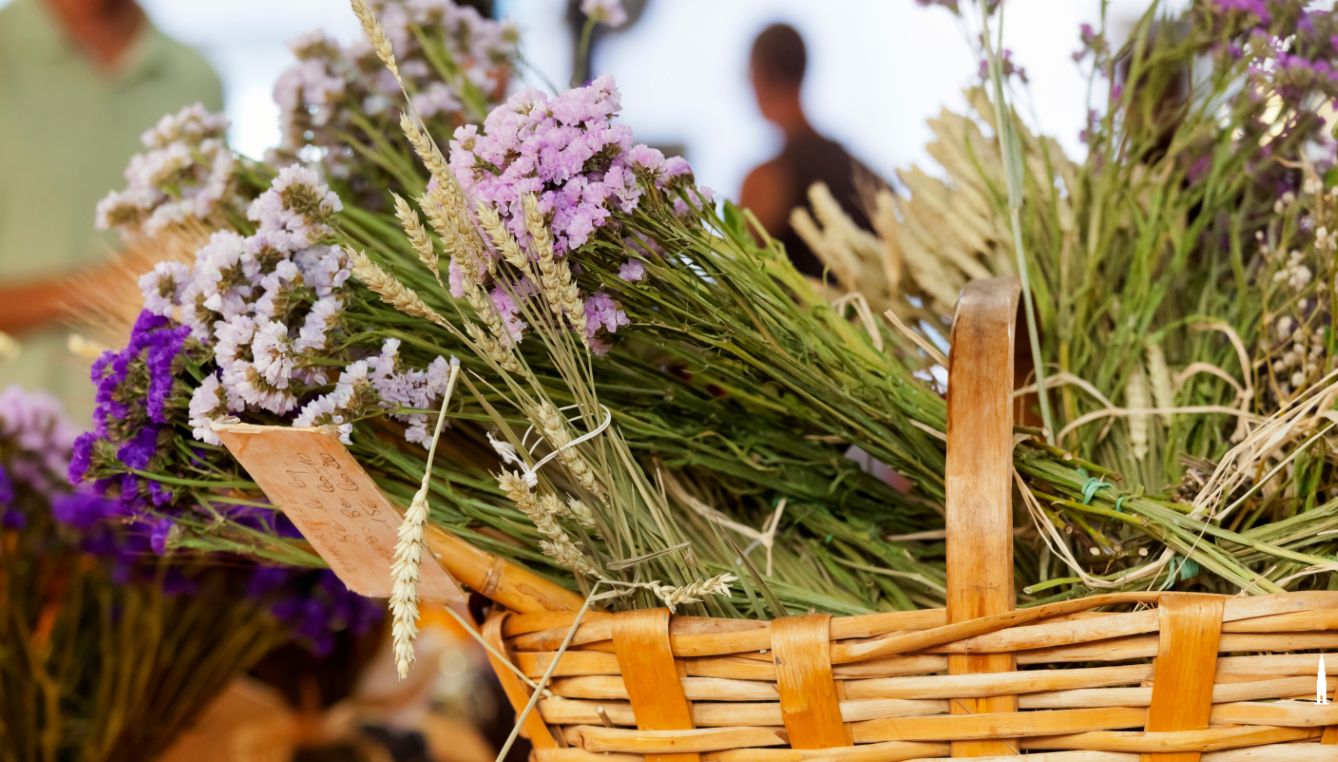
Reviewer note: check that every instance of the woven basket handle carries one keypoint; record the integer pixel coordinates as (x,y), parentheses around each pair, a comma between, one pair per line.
(979,482)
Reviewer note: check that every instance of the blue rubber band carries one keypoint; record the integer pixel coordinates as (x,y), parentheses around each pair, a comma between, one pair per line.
(1090,487)
(1118,501)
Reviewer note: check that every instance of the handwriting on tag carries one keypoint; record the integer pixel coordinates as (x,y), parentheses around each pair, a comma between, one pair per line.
(317,484)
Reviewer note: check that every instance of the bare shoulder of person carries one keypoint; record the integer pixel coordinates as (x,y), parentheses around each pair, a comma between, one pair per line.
(765,191)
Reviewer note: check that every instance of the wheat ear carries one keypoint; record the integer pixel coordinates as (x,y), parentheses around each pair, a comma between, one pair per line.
(406,571)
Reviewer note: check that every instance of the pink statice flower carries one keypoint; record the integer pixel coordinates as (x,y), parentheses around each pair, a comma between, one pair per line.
(632,271)
(567,151)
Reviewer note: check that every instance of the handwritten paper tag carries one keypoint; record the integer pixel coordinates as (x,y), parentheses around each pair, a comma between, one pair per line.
(314,479)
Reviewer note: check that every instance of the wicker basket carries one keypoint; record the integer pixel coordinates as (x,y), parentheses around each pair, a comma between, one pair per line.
(974,680)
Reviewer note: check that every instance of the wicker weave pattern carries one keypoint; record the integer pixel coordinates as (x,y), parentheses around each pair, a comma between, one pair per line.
(897,708)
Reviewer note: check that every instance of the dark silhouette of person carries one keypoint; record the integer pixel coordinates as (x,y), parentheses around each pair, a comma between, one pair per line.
(772,190)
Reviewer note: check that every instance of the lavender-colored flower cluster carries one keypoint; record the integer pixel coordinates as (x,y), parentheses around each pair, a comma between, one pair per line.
(1007,66)
(186,173)
(35,442)
(385,380)
(332,88)
(568,152)
(583,169)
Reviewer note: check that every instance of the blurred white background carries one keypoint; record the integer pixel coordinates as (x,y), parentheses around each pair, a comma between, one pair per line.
(877,68)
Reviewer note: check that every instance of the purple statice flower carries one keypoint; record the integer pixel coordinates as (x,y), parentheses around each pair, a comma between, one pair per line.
(10,517)
(1093,44)
(277,288)
(165,346)
(140,450)
(265,580)
(632,271)
(161,534)
(82,456)
(324,268)
(39,434)
(605,12)
(6,488)
(159,493)
(82,510)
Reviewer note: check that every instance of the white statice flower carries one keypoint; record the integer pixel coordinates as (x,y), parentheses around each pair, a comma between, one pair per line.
(438,98)
(226,273)
(232,343)
(215,188)
(329,410)
(125,209)
(192,124)
(325,268)
(194,314)
(324,315)
(605,12)
(277,288)
(252,387)
(273,353)
(186,171)
(298,202)
(166,215)
(163,285)
(207,404)
(159,167)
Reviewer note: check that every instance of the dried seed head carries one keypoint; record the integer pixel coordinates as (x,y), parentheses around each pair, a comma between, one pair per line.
(425,147)
(372,28)
(391,291)
(418,236)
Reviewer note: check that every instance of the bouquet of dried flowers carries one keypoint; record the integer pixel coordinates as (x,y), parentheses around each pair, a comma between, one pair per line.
(108,650)
(655,404)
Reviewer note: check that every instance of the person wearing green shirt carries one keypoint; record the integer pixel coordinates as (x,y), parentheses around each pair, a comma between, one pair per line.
(80,81)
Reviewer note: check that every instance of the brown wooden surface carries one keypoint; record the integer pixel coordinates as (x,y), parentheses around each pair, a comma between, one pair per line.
(653,682)
(1182,691)
(809,702)
(516,692)
(980,485)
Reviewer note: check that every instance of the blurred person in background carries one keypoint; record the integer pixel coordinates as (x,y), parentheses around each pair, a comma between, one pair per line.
(80,80)
(772,190)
